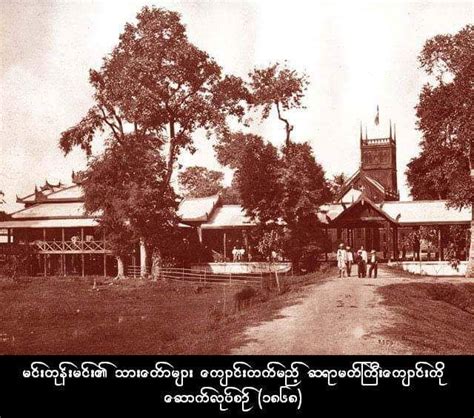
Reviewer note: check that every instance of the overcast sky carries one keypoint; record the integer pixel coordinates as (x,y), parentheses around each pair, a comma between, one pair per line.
(357,54)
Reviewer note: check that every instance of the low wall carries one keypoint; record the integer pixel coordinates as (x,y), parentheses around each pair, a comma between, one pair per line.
(431,268)
(242,267)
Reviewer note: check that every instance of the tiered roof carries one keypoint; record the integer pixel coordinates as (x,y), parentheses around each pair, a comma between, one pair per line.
(60,205)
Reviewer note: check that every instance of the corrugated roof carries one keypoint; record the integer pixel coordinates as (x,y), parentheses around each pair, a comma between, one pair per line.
(49,223)
(197,209)
(425,212)
(228,216)
(50,210)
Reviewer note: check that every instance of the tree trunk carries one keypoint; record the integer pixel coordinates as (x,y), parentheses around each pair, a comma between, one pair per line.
(470,263)
(288,127)
(143,258)
(120,268)
(156,262)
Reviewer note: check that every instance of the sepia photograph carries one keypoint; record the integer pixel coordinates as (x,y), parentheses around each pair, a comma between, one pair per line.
(236,177)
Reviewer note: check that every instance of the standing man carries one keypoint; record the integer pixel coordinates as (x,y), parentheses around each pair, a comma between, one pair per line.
(349,261)
(364,259)
(341,257)
(373,264)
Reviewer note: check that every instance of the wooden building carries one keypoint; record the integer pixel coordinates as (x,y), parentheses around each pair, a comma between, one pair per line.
(367,212)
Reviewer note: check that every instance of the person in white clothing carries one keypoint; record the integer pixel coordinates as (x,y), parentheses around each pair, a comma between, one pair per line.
(341,257)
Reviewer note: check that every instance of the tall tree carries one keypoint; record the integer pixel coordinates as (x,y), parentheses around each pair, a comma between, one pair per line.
(279,87)
(156,84)
(280,188)
(124,185)
(257,173)
(446,119)
(200,181)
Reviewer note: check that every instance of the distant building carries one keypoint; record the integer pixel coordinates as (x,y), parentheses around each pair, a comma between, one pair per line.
(367,212)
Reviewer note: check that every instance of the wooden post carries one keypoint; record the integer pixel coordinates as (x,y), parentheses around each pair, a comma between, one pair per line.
(395,243)
(82,251)
(63,256)
(440,244)
(44,258)
(199,232)
(225,246)
(246,243)
(388,240)
(327,241)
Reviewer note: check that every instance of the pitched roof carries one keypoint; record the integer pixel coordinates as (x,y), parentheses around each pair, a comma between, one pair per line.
(228,216)
(52,210)
(351,195)
(50,223)
(199,209)
(53,193)
(425,212)
(363,201)
(328,212)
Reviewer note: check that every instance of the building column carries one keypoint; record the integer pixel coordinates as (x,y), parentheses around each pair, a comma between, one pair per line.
(63,256)
(199,232)
(326,229)
(395,243)
(389,241)
(440,244)
(44,255)
(82,253)
(225,246)
(246,243)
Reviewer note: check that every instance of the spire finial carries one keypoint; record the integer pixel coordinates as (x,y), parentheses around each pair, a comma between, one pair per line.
(366,137)
(390,135)
(394,131)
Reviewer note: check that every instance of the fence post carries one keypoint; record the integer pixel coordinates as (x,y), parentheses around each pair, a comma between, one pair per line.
(205,272)
(225,297)
(230,278)
(182,274)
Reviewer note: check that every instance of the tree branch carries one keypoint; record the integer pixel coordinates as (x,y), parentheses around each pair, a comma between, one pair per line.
(288,127)
(111,125)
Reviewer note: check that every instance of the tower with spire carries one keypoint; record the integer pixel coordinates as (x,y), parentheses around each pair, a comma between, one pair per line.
(376,177)
(378,161)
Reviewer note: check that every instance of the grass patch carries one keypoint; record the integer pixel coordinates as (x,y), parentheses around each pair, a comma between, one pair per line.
(437,318)
(68,316)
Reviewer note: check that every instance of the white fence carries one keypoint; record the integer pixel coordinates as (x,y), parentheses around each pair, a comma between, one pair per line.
(431,268)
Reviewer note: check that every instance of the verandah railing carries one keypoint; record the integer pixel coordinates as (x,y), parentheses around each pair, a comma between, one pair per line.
(77,247)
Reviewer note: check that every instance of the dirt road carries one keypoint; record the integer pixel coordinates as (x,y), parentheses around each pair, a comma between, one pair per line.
(341,316)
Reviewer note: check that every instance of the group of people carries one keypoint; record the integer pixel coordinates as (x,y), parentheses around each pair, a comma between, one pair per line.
(346,259)
(238,254)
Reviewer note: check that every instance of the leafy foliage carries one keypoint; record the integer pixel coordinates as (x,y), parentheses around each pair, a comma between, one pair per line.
(280,87)
(153,91)
(201,182)
(279,189)
(445,118)
(125,186)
